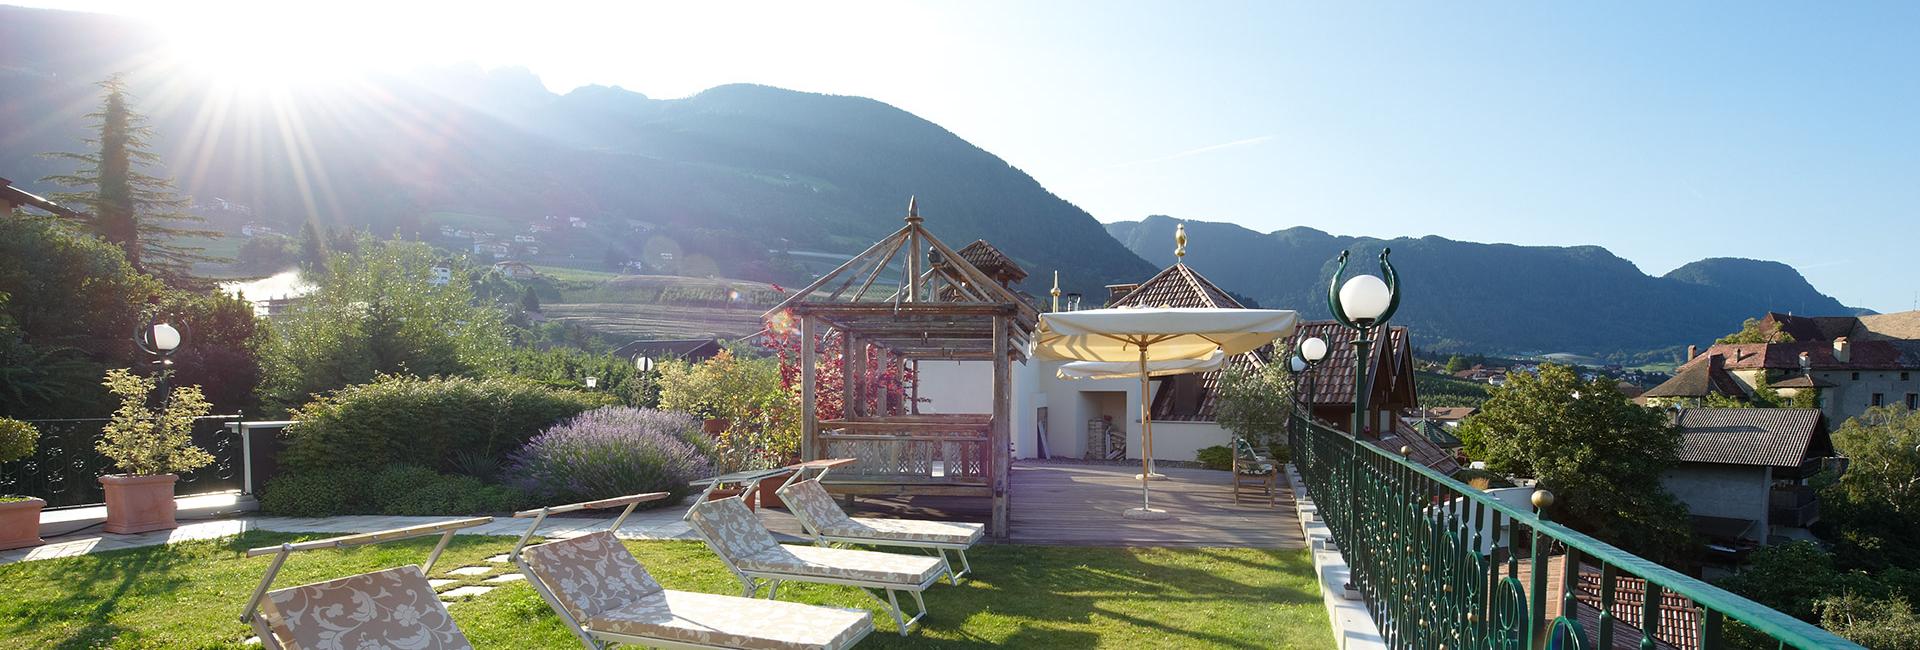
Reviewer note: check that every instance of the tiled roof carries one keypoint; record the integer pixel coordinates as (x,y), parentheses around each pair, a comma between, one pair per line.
(1802,380)
(1419,448)
(991,261)
(1332,379)
(1752,436)
(692,349)
(1703,376)
(1450,413)
(1901,326)
(1178,286)
(1812,328)
(1862,355)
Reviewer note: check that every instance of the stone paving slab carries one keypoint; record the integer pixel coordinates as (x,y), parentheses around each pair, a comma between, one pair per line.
(658,524)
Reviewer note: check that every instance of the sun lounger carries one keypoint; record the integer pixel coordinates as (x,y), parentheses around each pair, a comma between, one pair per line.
(822,518)
(754,556)
(394,608)
(603,594)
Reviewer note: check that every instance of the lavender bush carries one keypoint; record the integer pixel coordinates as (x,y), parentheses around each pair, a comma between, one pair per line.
(613,451)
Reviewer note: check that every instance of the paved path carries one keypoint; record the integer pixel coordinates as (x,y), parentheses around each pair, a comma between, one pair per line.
(1053,503)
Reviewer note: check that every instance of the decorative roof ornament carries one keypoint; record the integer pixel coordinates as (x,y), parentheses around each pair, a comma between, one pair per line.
(1180,244)
(913,209)
(1056,290)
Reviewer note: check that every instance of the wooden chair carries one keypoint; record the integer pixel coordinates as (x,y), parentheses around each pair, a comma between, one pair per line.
(1253,470)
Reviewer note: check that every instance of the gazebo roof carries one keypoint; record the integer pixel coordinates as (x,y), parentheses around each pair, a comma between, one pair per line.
(914,295)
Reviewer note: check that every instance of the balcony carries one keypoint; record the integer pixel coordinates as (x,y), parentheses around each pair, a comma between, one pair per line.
(1793,507)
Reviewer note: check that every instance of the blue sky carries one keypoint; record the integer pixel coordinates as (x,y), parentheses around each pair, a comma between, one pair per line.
(1666,132)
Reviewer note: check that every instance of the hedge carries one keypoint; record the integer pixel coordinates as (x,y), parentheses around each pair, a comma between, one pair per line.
(441,424)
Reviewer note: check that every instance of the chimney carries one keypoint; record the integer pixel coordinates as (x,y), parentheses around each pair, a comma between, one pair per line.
(1692,351)
(1842,349)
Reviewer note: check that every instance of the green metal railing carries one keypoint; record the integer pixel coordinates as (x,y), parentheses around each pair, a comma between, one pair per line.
(1442,565)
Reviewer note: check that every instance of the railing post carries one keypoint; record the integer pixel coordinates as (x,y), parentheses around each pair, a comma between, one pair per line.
(246,456)
(1542,500)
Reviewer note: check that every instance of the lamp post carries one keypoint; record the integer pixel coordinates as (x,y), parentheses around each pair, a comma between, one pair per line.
(160,340)
(1363,303)
(1307,355)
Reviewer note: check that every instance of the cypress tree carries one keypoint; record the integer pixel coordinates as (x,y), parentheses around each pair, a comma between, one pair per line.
(136,211)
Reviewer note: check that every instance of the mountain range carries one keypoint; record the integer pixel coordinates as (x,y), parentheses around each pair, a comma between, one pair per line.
(1466,296)
(738,171)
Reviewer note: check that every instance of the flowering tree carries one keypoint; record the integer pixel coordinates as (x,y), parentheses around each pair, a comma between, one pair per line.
(886,385)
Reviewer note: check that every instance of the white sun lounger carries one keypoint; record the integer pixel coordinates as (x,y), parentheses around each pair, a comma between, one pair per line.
(603,594)
(822,518)
(392,608)
(754,556)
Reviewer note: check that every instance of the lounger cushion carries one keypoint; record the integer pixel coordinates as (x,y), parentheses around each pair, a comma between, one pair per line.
(908,530)
(811,503)
(590,574)
(395,608)
(737,535)
(735,622)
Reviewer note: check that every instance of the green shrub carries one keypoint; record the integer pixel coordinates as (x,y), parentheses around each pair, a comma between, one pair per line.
(17,440)
(431,423)
(393,490)
(1215,457)
(317,494)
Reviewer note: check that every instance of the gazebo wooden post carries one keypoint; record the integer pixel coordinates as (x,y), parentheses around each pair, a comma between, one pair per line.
(810,447)
(849,377)
(997,449)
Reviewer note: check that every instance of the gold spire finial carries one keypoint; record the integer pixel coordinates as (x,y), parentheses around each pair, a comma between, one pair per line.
(1180,243)
(913,209)
(1056,290)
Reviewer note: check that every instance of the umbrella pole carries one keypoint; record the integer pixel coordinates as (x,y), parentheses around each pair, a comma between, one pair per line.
(1146,435)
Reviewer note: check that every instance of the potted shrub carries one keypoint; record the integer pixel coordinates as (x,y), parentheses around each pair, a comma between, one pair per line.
(150,447)
(19,515)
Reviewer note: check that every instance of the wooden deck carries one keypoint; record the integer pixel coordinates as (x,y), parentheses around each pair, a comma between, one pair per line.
(1077,504)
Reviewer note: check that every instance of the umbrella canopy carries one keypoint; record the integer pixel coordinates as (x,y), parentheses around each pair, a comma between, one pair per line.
(1166,335)
(1131,369)
(1168,332)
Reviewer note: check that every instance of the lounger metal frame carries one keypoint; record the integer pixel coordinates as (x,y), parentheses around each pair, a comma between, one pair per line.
(939,549)
(753,580)
(252,615)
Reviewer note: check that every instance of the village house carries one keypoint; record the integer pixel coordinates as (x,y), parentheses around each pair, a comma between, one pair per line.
(1854,362)
(1743,472)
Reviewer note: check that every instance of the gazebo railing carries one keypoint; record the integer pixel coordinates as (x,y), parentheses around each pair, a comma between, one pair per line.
(1443,565)
(931,450)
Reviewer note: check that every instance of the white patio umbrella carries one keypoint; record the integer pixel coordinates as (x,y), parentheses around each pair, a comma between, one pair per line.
(1131,369)
(1146,335)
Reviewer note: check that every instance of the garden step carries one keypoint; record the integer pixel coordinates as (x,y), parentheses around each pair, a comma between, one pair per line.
(465,592)
(511,577)
(437,583)
(498,559)
(471,571)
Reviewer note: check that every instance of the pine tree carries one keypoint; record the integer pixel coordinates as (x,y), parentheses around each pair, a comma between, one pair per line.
(529,301)
(313,251)
(136,211)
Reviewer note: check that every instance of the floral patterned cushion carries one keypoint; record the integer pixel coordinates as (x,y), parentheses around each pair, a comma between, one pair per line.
(872,566)
(909,530)
(736,534)
(735,622)
(395,608)
(590,574)
(812,505)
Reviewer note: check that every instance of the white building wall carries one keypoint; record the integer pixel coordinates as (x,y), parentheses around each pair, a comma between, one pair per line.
(1849,397)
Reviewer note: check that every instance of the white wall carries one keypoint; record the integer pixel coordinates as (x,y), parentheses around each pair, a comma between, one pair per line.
(956,387)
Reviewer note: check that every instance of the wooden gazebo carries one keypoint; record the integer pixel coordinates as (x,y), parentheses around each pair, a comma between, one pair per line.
(907,298)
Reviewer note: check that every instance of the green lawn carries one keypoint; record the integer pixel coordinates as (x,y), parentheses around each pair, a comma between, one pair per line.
(189,596)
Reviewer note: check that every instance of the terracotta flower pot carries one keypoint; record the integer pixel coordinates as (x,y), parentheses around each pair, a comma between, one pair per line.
(716,426)
(137,504)
(769,496)
(727,493)
(20,523)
